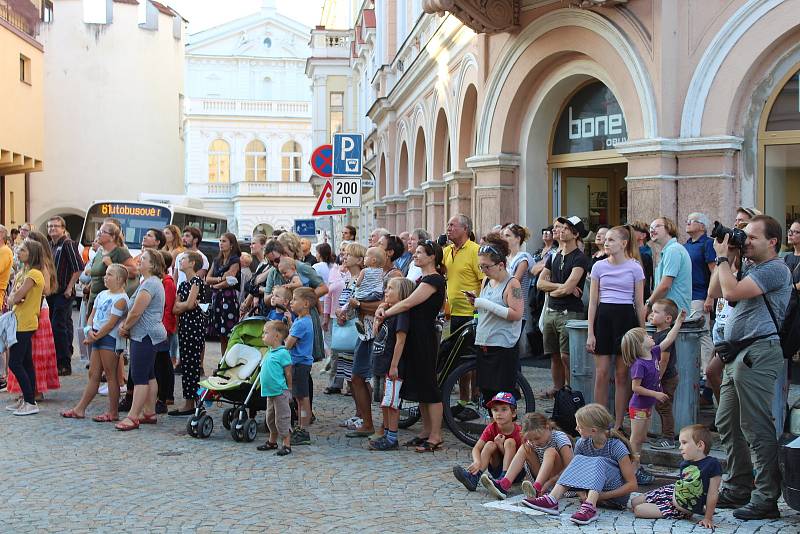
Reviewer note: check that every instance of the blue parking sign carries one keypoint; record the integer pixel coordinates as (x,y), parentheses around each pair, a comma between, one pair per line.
(305,227)
(347,149)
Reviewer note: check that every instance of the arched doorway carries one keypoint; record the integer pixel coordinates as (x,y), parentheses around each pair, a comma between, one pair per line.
(779,152)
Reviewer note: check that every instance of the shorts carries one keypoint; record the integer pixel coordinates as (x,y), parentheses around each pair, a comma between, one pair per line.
(611,323)
(371,296)
(362,359)
(142,360)
(300,383)
(662,498)
(554,333)
(639,413)
(107,342)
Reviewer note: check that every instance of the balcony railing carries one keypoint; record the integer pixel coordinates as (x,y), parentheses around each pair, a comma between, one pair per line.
(250,108)
(330,43)
(24,15)
(256,189)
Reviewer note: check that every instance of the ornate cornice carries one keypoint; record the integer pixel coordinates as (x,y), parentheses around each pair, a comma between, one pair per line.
(483,16)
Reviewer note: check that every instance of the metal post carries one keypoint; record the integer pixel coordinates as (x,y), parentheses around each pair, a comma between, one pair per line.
(333,236)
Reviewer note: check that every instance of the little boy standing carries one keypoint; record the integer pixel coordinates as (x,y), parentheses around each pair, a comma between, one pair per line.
(664,313)
(696,490)
(276,381)
(301,345)
(497,445)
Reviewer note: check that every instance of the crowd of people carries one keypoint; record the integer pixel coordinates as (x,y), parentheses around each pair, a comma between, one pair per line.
(373,315)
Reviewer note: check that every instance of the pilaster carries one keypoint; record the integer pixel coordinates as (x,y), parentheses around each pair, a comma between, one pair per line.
(415,208)
(459,192)
(434,205)
(495,192)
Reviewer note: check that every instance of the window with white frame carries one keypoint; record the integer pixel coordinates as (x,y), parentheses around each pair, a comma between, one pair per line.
(219,162)
(255,161)
(291,156)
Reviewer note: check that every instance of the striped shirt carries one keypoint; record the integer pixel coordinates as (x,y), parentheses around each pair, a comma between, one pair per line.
(67,261)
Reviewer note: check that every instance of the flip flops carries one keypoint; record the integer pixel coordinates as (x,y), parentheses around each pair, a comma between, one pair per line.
(70,414)
(415,442)
(429,447)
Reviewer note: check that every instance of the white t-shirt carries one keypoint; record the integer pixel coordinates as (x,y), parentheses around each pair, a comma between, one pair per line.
(414,272)
(323,270)
(105,308)
(181,274)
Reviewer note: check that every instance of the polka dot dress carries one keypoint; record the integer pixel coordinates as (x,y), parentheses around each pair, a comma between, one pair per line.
(191,337)
(225,303)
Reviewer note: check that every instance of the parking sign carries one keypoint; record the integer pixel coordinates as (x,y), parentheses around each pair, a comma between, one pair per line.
(347,148)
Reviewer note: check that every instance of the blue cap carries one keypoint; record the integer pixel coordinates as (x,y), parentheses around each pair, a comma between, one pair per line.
(505,398)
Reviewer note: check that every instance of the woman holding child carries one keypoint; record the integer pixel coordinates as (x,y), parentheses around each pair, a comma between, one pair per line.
(418,365)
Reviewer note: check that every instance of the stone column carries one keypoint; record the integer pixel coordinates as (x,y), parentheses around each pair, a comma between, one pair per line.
(495,193)
(434,206)
(675,177)
(459,192)
(415,208)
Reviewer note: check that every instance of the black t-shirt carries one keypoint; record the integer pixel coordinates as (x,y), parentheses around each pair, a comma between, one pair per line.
(384,342)
(560,268)
(672,363)
(793,262)
(691,489)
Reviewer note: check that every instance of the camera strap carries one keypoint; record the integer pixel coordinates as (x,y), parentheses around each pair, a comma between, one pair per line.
(771,314)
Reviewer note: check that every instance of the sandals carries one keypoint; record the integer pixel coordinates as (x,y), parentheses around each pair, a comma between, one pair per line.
(122,426)
(268,446)
(70,414)
(105,418)
(149,419)
(415,442)
(284,451)
(429,447)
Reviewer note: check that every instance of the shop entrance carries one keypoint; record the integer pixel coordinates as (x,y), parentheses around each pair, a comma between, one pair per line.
(597,194)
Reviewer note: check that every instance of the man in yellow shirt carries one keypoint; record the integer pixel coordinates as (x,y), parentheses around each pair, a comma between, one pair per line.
(461,261)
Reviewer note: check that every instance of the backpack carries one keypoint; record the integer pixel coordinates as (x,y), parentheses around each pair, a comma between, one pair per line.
(566,402)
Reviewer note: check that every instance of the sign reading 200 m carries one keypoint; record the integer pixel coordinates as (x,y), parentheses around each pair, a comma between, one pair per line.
(592,120)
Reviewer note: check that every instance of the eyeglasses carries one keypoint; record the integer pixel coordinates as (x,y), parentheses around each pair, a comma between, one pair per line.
(692,221)
(654,227)
(55,226)
(483,267)
(488,249)
(106,232)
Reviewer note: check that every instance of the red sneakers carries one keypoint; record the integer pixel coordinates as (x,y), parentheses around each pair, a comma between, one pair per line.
(585,514)
(544,504)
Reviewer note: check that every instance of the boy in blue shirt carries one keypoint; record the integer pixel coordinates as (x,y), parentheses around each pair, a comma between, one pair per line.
(301,345)
(281,296)
(276,381)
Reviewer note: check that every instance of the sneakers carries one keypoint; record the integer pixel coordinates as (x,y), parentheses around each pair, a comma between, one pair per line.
(644,477)
(383,444)
(663,444)
(469,480)
(26,409)
(13,406)
(468,413)
(300,436)
(529,490)
(585,514)
(493,486)
(544,504)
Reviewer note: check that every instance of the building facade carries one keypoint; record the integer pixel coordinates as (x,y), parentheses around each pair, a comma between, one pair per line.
(21,105)
(107,62)
(610,110)
(248,121)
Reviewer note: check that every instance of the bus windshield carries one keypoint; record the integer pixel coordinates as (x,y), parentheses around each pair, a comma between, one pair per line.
(135,218)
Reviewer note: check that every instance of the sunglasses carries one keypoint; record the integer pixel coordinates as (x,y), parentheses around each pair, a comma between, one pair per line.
(488,249)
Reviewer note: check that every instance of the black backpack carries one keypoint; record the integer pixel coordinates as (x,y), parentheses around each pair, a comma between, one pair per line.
(566,402)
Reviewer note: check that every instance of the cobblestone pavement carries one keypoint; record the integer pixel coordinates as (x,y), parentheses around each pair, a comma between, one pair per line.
(63,475)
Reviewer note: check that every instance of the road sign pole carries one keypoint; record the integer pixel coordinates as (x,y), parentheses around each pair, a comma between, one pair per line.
(333,237)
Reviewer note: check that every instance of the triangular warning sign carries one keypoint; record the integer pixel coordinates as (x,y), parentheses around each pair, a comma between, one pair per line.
(325,203)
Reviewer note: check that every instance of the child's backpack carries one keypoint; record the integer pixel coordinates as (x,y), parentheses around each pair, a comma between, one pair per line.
(565,403)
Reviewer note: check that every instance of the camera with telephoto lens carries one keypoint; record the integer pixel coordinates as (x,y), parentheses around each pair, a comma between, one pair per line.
(737,237)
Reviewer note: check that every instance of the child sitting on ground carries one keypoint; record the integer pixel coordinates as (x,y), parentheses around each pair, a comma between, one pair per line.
(642,355)
(288,269)
(664,313)
(279,300)
(301,345)
(697,488)
(601,469)
(544,454)
(387,349)
(276,383)
(497,445)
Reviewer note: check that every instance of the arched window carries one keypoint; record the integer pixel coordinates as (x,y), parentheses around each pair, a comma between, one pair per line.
(255,162)
(219,162)
(291,155)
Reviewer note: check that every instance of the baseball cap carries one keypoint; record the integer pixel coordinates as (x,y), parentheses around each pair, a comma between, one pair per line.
(576,223)
(752,212)
(504,398)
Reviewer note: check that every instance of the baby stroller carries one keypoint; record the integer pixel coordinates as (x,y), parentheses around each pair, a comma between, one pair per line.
(235,382)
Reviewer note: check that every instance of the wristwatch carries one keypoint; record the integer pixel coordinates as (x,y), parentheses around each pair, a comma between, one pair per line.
(720,260)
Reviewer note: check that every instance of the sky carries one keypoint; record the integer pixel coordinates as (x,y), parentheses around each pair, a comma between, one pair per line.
(203,14)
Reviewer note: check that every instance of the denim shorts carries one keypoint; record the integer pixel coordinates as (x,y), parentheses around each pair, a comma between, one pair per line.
(362,359)
(107,342)
(143,357)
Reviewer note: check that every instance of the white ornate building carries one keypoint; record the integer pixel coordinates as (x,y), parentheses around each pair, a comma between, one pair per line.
(248,121)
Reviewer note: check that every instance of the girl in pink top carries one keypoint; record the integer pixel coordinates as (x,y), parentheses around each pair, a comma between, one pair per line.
(615,306)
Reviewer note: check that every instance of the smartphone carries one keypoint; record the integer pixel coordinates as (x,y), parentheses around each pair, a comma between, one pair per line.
(470,294)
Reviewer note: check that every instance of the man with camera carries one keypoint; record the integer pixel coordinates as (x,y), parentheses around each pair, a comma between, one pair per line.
(753,359)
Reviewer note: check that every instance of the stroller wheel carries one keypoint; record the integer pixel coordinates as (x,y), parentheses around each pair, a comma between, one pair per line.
(236,433)
(227,415)
(205,426)
(191,426)
(249,430)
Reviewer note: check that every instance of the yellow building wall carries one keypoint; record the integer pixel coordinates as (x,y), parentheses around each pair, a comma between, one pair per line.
(14,201)
(21,104)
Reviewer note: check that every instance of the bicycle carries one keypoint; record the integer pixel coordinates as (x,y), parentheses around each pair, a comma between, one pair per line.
(456,360)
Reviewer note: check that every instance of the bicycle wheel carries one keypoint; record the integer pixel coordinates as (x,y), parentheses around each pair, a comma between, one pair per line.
(409,414)
(467,420)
